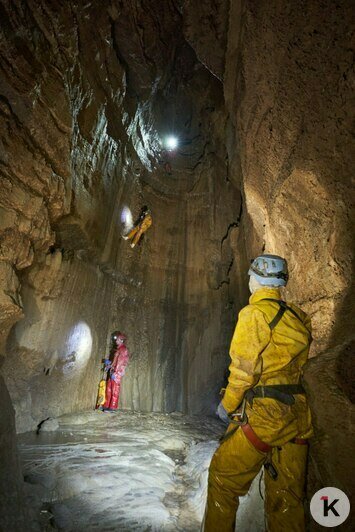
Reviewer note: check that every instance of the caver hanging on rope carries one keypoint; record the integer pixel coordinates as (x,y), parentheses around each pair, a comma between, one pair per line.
(142,225)
(265,407)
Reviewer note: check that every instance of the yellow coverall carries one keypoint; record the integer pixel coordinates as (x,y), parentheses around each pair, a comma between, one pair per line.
(261,356)
(139,229)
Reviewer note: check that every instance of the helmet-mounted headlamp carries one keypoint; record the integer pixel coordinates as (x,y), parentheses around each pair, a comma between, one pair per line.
(263,273)
(118,335)
(269,270)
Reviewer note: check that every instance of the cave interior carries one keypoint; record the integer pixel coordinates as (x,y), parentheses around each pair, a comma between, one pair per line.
(259,97)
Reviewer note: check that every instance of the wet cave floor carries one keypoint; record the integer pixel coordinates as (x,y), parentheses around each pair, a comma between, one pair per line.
(126,471)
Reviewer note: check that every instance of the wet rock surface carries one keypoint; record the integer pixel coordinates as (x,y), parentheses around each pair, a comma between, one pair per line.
(125,471)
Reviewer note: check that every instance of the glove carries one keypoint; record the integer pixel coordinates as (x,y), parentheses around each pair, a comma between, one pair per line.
(107,363)
(113,377)
(222,414)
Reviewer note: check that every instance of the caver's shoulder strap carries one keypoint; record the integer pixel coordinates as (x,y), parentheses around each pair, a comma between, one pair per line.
(283,307)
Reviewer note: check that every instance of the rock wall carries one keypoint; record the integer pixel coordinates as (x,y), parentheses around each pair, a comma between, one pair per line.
(90,96)
(287,86)
(13,514)
(87,94)
(289,104)
(288,77)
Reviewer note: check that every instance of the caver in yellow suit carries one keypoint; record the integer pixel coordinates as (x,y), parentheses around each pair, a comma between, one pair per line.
(142,226)
(268,350)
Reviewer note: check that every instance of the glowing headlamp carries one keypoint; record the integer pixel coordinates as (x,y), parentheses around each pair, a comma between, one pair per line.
(171,143)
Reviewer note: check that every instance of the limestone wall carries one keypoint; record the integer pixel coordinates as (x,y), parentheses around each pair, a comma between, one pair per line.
(288,78)
(84,111)
(287,72)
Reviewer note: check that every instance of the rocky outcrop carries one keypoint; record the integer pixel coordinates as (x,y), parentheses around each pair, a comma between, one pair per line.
(13,514)
(10,302)
(331,394)
(205,28)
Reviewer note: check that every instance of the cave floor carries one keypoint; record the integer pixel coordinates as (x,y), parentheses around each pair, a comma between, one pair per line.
(126,471)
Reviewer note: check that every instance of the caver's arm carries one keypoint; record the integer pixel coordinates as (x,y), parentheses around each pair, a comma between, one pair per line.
(252,334)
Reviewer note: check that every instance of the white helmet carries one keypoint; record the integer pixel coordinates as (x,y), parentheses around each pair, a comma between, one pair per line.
(269,270)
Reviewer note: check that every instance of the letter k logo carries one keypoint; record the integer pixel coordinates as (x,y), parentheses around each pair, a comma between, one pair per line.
(329,507)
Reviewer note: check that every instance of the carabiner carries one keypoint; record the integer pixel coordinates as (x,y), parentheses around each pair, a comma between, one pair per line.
(240,414)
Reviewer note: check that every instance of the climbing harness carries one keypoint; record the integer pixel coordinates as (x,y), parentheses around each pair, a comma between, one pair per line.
(263,447)
(280,392)
(283,393)
(257,443)
(238,418)
(283,307)
(255,440)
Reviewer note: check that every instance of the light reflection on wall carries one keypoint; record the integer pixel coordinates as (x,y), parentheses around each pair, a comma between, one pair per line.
(126,219)
(77,350)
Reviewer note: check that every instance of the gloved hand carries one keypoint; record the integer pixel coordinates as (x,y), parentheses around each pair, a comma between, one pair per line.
(222,414)
(113,377)
(107,363)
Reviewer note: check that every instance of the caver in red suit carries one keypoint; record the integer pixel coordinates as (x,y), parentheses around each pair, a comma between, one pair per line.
(117,370)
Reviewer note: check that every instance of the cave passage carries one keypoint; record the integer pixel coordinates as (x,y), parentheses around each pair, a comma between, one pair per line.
(226,128)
